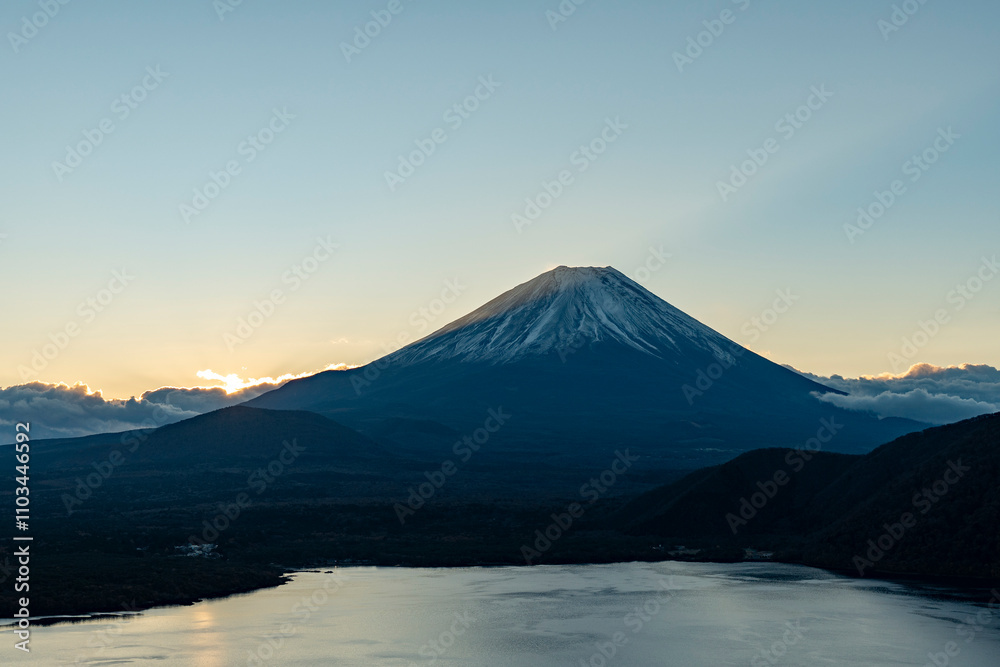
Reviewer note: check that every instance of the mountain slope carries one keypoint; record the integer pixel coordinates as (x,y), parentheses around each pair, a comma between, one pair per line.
(585,361)
(704,503)
(561,310)
(943,483)
(947,479)
(213,457)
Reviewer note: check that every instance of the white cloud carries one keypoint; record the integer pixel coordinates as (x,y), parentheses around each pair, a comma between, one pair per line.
(932,394)
(63,411)
(927,393)
(233,383)
(60,410)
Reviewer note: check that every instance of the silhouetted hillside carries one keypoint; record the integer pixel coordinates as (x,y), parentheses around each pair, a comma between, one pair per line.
(931,498)
(700,504)
(946,478)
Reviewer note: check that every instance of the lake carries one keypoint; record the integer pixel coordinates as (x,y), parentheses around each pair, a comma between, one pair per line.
(624,614)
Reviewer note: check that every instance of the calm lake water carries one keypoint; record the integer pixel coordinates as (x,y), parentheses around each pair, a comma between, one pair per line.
(626,614)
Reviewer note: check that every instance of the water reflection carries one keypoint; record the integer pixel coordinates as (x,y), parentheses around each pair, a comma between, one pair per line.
(626,614)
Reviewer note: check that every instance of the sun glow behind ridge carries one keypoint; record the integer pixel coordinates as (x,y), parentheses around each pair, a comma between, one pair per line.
(233,383)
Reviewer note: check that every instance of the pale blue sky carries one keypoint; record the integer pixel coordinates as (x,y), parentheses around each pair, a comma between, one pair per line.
(324,175)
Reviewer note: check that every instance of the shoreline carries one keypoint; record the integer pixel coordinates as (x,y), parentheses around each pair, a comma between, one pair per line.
(977,591)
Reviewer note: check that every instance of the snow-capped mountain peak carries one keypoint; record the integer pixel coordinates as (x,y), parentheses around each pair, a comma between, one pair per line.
(567,308)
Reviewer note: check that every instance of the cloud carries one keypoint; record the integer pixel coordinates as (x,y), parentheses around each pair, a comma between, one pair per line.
(234,383)
(927,393)
(918,404)
(59,410)
(64,411)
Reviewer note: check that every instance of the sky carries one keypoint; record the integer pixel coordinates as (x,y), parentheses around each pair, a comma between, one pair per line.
(232,189)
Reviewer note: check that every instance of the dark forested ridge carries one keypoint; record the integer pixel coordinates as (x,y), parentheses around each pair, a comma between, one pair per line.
(926,503)
(229,501)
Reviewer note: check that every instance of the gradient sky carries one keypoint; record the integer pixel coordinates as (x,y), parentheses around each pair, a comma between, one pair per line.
(324,176)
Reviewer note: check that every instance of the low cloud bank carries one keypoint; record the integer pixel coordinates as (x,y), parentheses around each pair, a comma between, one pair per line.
(64,411)
(927,393)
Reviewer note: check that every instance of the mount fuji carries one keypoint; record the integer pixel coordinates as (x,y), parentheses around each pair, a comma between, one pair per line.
(584,361)
(562,310)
